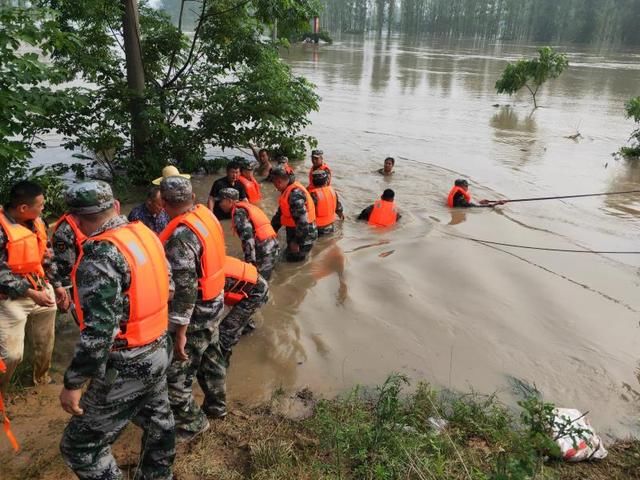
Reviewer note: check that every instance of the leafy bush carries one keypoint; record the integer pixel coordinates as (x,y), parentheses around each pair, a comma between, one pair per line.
(632,109)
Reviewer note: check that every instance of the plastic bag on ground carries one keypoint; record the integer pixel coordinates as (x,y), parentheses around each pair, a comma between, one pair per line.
(577,439)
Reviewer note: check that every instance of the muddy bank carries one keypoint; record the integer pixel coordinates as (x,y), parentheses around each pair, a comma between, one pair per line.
(298,436)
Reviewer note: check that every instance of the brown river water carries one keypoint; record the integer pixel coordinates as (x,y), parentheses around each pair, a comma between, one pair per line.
(418,299)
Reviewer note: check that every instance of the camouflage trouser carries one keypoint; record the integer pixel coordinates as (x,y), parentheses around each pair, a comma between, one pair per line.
(206,364)
(134,388)
(327,230)
(239,316)
(267,254)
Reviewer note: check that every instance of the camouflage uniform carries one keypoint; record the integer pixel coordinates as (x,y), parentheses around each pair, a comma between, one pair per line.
(320,179)
(126,384)
(205,363)
(263,254)
(65,255)
(239,317)
(304,233)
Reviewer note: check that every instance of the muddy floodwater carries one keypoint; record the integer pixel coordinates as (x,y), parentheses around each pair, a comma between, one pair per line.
(419,299)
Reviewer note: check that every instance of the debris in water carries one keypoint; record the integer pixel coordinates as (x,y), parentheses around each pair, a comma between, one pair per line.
(386,254)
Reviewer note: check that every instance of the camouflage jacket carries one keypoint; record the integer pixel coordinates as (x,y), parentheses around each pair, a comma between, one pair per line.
(65,253)
(15,286)
(184,251)
(305,232)
(253,249)
(102,278)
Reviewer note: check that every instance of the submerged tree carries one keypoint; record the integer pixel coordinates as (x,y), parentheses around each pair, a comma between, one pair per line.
(532,74)
(633,111)
(155,94)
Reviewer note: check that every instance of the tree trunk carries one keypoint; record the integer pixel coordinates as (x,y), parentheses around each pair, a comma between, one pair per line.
(135,77)
(274,31)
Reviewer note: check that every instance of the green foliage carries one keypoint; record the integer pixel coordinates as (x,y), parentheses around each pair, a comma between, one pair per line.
(28,97)
(531,74)
(633,111)
(223,85)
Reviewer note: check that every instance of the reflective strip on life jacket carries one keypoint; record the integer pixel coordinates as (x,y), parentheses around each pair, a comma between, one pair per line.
(326,206)
(252,187)
(384,214)
(5,419)
(325,167)
(286,218)
(79,237)
(243,273)
(208,230)
(454,191)
(262,228)
(149,289)
(25,248)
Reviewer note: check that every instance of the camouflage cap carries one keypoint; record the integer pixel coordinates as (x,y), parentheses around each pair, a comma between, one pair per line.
(320,175)
(248,165)
(91,197)
(282,159)
(279,171)
(317,153)
(230,193)
(176,189)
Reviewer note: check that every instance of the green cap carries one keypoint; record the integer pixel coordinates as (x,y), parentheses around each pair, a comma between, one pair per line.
(90,197)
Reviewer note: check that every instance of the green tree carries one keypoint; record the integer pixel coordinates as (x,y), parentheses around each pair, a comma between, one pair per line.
(29,92)
(633,111)
(532,74)
(221,84)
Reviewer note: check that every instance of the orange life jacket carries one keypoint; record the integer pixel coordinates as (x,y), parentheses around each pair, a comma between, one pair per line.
(252,187)
(3,416)
(149,289)
(243,273)
(261,224)
(384,214)
(286,218)
(79,236)
(324,166)
(454,191)
(326,206)
(208,230)
(26,249)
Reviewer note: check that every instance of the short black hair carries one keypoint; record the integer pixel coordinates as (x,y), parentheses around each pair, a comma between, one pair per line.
(233,165)
(393,160)
(265,151)
(461,182)
(388,194)
(24,193)
(153,192)
(319,180)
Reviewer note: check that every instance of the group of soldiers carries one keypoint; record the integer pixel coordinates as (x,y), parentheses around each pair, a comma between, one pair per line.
(149,297)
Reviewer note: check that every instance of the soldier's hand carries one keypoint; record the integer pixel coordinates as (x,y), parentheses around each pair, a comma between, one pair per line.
(62,299)
(294,247)
(70,401)
(178,347)
(41,297)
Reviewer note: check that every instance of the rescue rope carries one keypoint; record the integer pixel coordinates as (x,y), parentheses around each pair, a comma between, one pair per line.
(535,199)
(545,249)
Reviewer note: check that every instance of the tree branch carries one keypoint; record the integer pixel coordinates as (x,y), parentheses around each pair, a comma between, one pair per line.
(175,50)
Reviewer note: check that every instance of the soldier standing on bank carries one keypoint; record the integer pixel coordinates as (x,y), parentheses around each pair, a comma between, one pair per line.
(121,288)
(297,213)
(194,245)
(259,239)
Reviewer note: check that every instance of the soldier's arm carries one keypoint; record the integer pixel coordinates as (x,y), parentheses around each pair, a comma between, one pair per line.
(183,254)
(275,221)
(12,285)
(64,254)
(366,213)
(102,277)
(298,207)
(339,209)
(247,235)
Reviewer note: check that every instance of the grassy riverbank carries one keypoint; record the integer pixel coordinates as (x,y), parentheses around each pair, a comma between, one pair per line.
(368,434)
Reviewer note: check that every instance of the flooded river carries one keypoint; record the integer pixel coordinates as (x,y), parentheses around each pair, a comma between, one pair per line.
(419,299)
